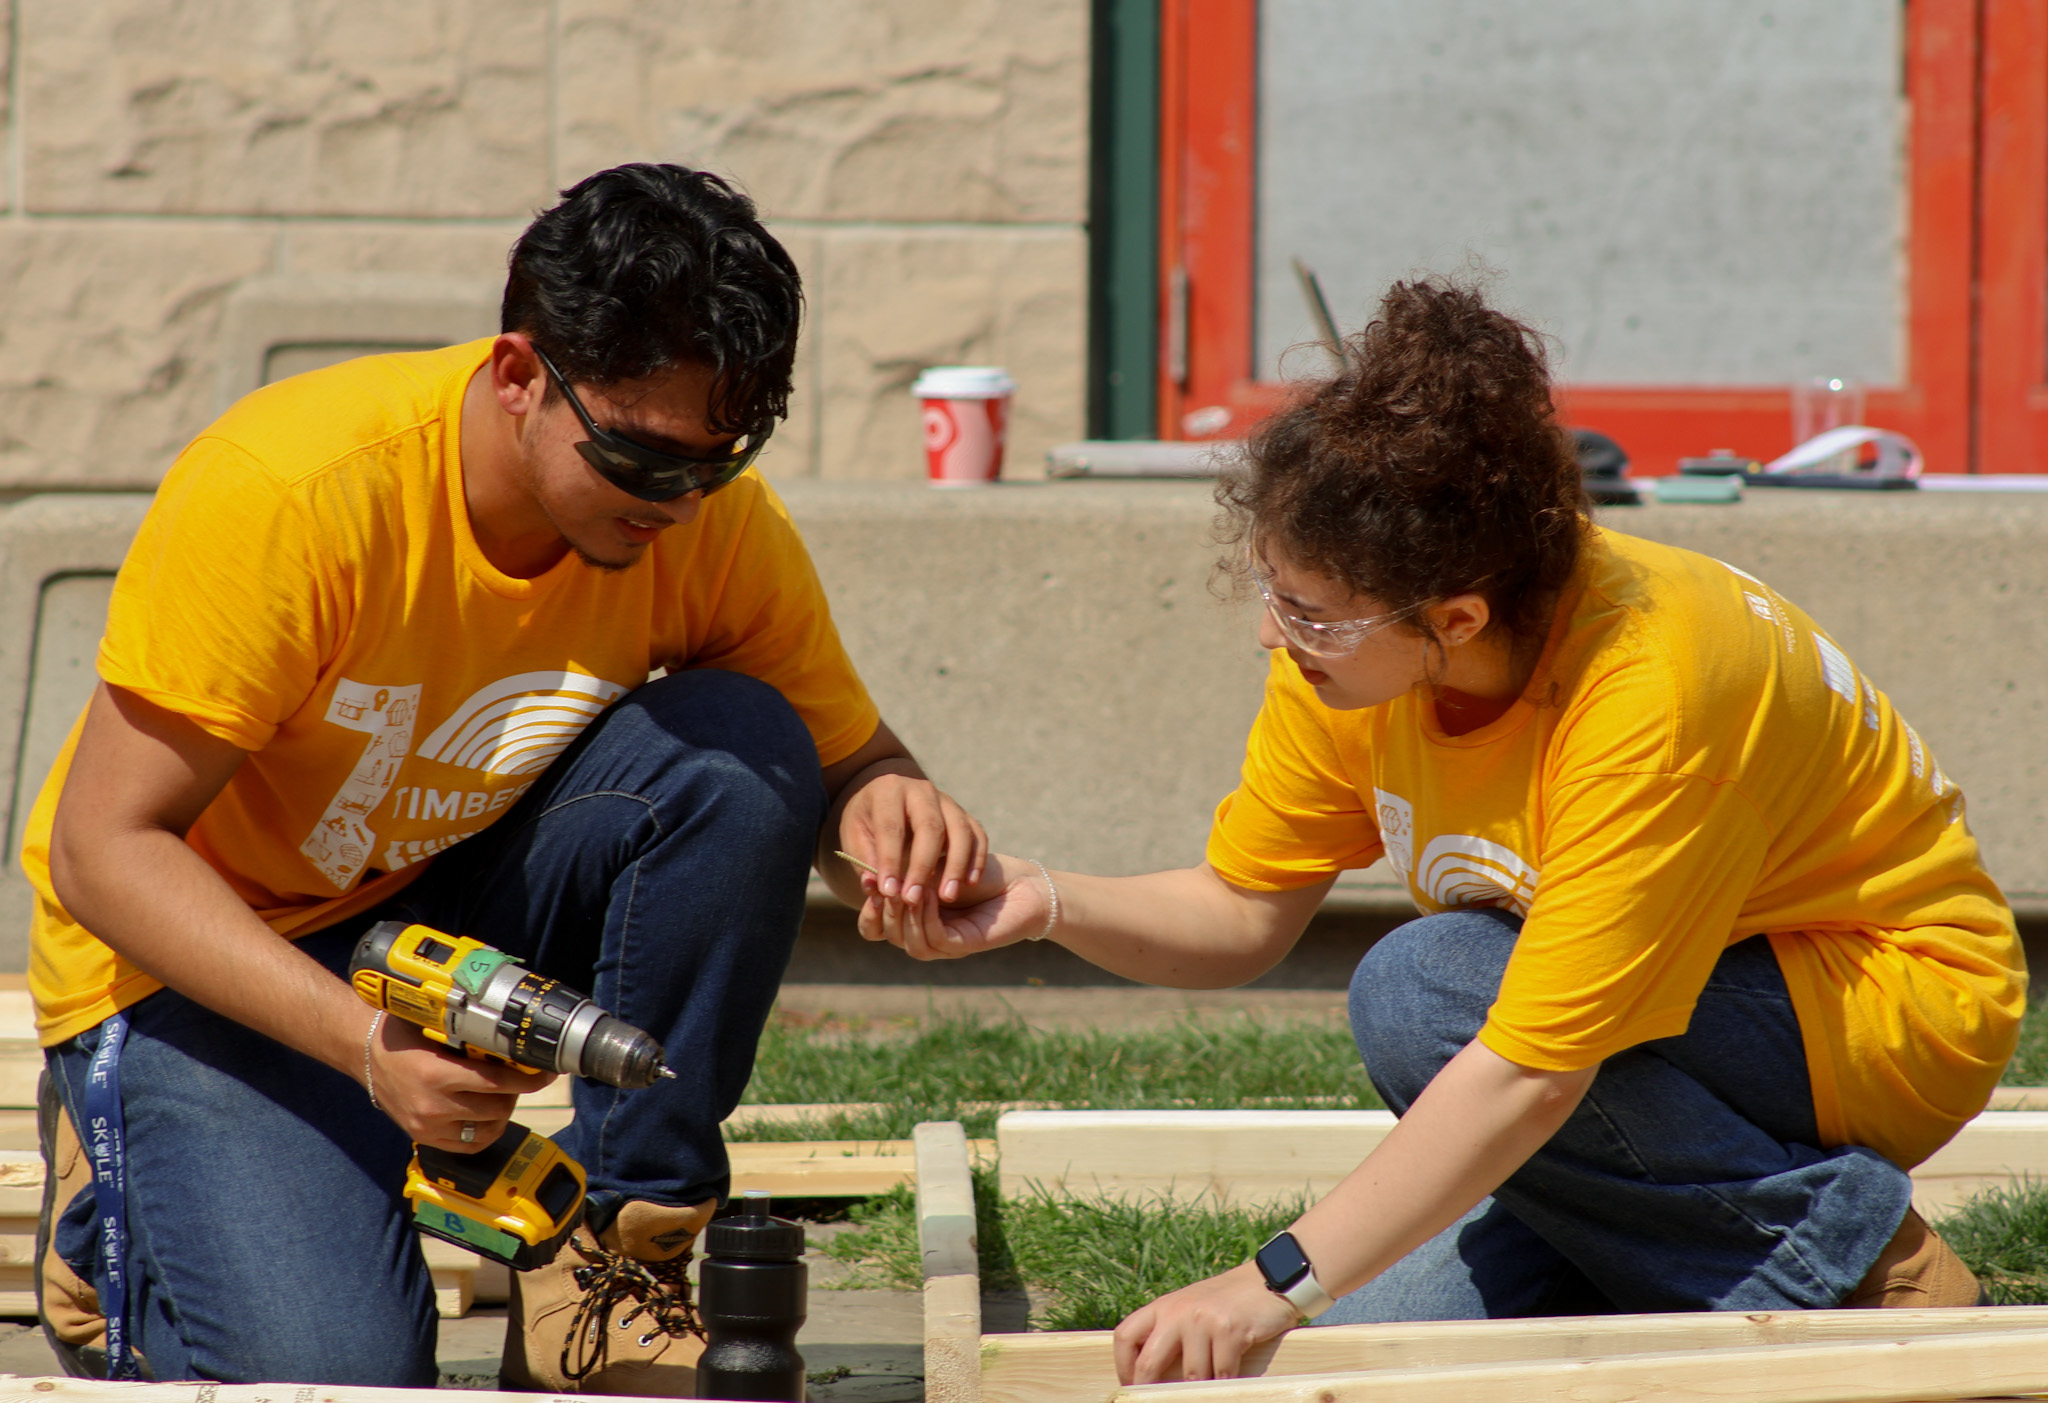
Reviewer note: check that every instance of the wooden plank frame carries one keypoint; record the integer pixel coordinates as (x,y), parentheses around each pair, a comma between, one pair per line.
(1079,1366)
(1260,1157)
(1690,1358)
(952,1270)
(1874,1370)
(1208,196)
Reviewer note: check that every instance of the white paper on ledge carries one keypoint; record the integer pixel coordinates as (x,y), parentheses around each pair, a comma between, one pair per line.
(1897,455)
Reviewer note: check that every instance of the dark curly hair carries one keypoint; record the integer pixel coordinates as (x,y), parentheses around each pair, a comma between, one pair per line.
(1432,465)
(647,266)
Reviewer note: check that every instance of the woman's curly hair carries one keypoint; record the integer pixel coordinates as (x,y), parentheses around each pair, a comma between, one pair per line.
(1432,465)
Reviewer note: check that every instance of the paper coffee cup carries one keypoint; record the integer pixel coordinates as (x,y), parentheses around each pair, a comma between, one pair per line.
(966,414)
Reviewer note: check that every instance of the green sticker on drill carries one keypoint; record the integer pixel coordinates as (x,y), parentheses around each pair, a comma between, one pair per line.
(476,970)
(482,1236)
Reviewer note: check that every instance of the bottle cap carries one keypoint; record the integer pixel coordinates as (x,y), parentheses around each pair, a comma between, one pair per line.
(752,1234)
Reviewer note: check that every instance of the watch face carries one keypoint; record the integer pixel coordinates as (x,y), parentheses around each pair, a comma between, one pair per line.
(1282,1262)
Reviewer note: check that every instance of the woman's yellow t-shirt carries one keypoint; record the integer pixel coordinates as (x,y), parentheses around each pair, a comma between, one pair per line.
(1693,763)
(306,587)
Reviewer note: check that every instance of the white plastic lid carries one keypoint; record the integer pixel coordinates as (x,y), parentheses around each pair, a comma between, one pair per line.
(964,382)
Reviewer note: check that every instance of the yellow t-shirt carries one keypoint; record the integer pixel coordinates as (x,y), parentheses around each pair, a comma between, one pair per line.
(1693,763)
(306,586)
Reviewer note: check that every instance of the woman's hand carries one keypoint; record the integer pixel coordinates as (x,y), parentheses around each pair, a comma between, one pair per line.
(431,1092)
(1008,903)
(1201,1331)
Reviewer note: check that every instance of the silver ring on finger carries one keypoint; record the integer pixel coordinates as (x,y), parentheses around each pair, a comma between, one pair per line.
(469,1132)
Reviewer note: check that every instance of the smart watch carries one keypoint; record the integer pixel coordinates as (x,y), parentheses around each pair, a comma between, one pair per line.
(1290,1275)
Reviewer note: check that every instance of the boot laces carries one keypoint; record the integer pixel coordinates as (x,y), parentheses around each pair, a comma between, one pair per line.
(659,1291)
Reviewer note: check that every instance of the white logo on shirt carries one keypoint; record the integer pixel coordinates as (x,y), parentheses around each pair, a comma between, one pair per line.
(1461,870)
(1836,669)
(1457,869)
(341,842)
(1396,818)
(518,725)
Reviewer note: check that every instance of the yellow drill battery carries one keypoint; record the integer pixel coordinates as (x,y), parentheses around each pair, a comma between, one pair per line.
(517,1200)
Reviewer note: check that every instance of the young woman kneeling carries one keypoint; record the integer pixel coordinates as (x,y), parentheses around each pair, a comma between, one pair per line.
(1710,961)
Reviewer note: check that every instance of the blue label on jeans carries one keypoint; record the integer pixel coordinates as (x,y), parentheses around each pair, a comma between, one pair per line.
(104,1134)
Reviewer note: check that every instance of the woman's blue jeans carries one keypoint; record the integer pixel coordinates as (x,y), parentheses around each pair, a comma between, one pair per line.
(1690,1177)
(658,865)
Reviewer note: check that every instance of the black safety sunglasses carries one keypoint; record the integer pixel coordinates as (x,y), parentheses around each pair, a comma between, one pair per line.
(648,473)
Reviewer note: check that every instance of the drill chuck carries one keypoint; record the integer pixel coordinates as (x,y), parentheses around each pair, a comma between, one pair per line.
(618,1054)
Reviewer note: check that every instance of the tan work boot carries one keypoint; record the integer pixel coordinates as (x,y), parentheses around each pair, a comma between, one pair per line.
(68,1304)
(1918,1271)
(612,1314)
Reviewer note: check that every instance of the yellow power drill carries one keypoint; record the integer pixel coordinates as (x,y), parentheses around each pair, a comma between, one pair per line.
(519,1199)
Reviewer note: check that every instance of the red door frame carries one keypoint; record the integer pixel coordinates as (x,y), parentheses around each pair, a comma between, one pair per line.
(1208,196)
(2012,319)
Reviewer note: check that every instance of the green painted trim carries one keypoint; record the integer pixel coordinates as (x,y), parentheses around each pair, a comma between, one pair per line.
(1123,221)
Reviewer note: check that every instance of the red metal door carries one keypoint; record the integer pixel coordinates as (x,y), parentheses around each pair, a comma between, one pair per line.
(1974,393)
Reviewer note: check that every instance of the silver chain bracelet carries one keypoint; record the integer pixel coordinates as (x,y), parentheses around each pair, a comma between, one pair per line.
(1052,893)
(370,1082)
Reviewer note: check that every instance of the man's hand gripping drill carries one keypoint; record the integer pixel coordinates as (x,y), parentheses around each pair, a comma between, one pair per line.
(516,1197)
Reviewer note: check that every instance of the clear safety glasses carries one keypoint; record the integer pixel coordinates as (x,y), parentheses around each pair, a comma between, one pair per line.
(1337,639)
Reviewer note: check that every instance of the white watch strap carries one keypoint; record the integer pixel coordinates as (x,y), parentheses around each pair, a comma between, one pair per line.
(1308,1296)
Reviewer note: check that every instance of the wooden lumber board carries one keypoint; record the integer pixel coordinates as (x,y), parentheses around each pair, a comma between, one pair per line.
(952,1273)
(21,1064)
(62,1390)
(455,1283)
(31,1389)
(1930,1367)
(2019,1098)
(946,1228)
(1226,1156)
(786,1168)
(1080,1366)
(1258,1157)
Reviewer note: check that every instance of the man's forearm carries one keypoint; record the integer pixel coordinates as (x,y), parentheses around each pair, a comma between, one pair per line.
(153,900)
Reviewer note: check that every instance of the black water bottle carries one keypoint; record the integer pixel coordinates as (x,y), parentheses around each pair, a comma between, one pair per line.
(750,1292)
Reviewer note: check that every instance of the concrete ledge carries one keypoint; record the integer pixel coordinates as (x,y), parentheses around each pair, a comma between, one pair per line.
(272,327)
(58,555)
(1056,655)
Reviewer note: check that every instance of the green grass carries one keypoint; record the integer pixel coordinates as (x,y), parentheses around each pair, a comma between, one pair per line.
(2029,1065)
(1088,1262)
(960,1068)
(1091,1262)
(2002,1234)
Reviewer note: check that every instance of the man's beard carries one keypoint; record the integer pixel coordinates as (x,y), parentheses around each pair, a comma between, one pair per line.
(594,562)
(610,567)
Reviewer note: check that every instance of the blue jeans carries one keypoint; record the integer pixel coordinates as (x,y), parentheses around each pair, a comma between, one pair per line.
(658,865)
(1689,1178)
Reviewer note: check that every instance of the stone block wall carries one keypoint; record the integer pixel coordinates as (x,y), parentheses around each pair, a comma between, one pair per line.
(925,160)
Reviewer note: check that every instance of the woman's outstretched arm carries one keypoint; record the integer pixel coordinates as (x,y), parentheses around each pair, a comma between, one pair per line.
(1186,929)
